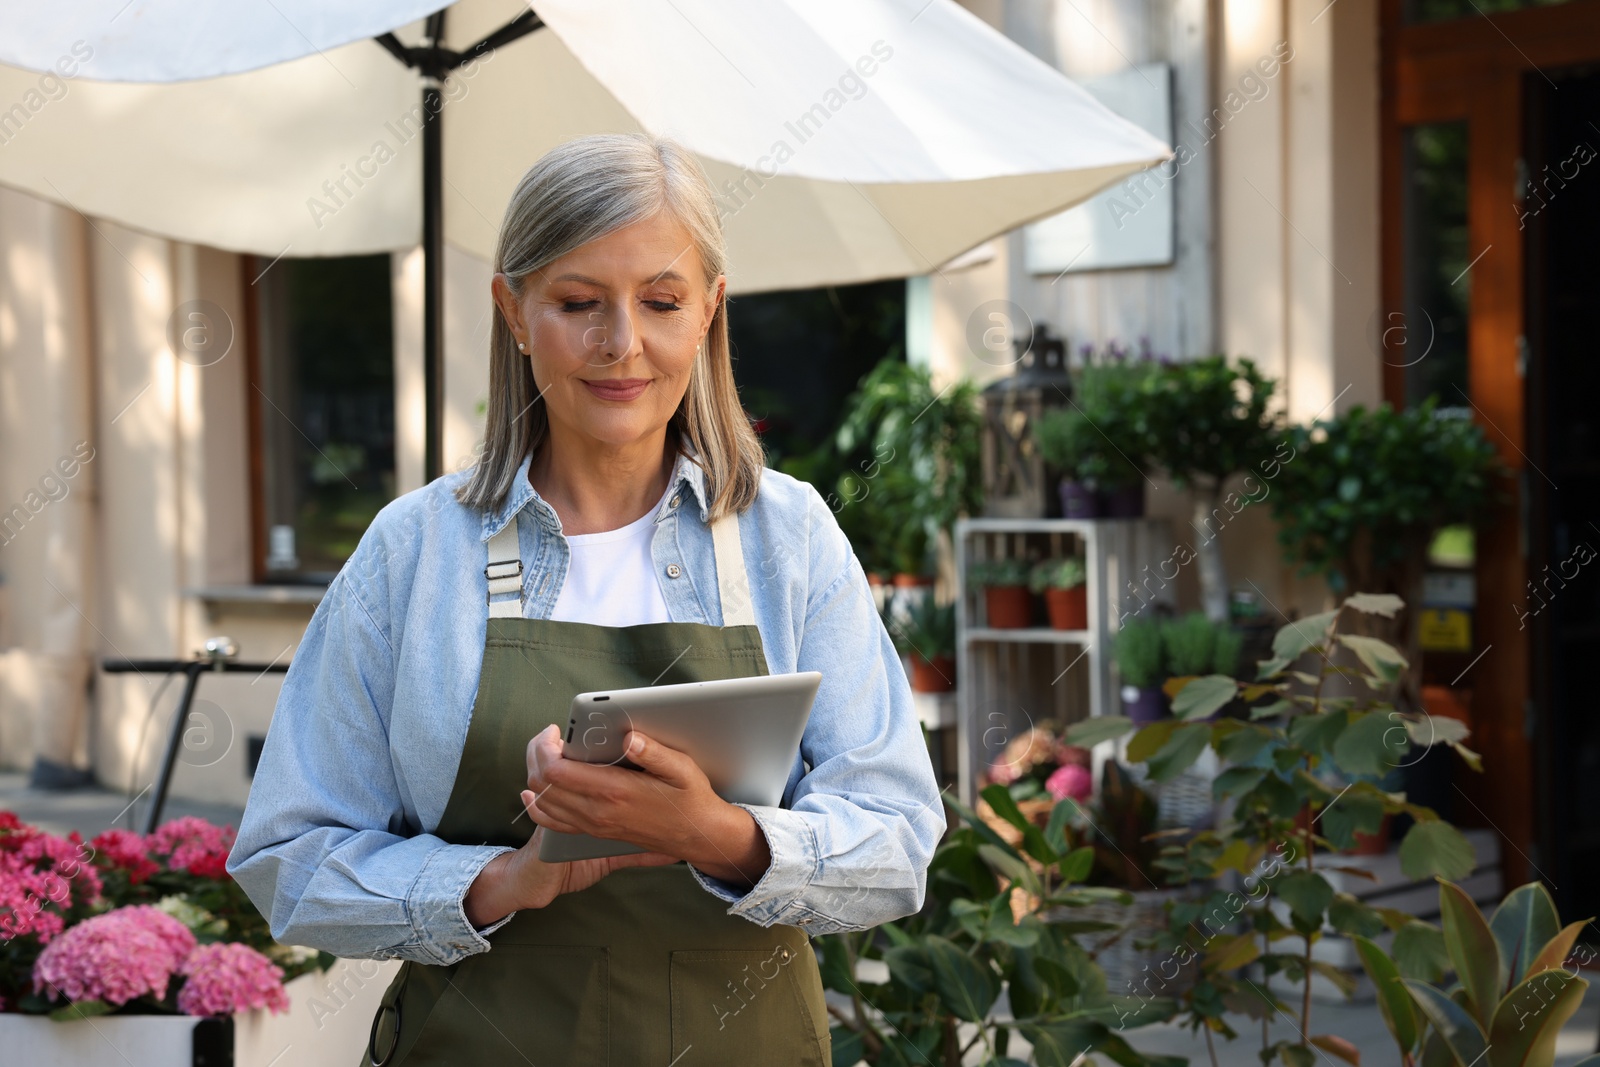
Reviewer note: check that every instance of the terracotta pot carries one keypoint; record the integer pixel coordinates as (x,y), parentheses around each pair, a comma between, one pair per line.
(935,676)
(1125,503)
(1009,607)
(912,581)
(1069,608)
(1372,844)
(1145,704)
(1078,501)
(874,578)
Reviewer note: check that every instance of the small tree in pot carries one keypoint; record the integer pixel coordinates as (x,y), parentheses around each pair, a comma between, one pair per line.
(1141,661)
(1098,443)
(927,636)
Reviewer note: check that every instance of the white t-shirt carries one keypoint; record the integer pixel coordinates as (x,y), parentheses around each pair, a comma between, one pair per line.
(612,578)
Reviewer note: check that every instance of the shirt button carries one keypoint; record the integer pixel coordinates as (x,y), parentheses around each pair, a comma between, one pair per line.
(673,570)
(673,502)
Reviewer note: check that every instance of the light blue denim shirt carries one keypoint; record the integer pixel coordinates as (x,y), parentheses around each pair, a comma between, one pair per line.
(336,845)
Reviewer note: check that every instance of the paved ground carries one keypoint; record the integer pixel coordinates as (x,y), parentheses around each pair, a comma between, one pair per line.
(91,810)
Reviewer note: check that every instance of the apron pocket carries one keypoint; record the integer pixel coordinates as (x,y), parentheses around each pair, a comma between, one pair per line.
(543,1004)
(736,1007)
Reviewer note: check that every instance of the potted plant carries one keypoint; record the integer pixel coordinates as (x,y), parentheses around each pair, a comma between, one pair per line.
(922,457)
(1099,440)
(1206,420)
(144,942)
(1193,645)
(927,636)
(1066,596)
(927,989)
(1276,765)
(1007,602)
(1141,661)
(1365,494)
(1067,441)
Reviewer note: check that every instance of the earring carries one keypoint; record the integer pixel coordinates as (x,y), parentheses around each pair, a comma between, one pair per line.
(522,346)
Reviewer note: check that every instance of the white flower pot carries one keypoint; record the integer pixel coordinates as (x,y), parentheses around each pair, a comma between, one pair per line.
(329,1018)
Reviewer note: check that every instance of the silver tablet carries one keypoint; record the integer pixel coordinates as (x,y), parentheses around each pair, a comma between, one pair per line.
(743,732)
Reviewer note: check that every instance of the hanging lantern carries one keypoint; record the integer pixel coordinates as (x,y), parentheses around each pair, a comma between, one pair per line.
(1016,482)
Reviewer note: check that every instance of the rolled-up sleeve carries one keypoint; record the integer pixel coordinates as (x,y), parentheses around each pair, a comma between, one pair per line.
(851,847)
(321,849)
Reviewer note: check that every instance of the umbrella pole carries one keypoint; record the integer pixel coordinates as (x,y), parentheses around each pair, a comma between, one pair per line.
(432,284)
(435,62)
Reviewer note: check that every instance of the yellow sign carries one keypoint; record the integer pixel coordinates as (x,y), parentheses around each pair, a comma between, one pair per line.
(1446,630)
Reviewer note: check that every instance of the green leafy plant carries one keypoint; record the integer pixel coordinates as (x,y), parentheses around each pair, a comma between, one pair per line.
(928,629)
(1193,644)
(1304,771)
(1140,652)
(1066,573)
(1511,996)
(998,572)
(925,455)
(1097,439)
(948,965)
(1366,491)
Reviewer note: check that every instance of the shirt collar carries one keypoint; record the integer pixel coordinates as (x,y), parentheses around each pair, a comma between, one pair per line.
(685,471)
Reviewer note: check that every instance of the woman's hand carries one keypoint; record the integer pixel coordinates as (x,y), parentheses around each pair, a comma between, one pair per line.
(515,881)
(666,806)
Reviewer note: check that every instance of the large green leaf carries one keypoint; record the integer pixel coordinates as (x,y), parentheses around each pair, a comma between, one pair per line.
(1418,951)
(849,1047)
(1010,865)
(1450,1020)
(1204,696)
(1076,865)
(1473,952)
(1393,999)
(967,987)
(1372,744)
(1091,731)
(1150,740)
(1236,780)
(1379,657)
(1291,640)
(1319,731)
(1523,924)
(1180,751)
(1351,917)
(1308,895)
(1355,812)
(1530,1018)
(1385,604)
(1556,950)
(908,965)
(1435,849)
(1240,743)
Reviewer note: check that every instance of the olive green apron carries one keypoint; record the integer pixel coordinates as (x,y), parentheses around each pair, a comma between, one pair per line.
(644,967)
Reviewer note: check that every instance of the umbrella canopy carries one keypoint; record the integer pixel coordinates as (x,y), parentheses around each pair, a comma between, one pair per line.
(850,140)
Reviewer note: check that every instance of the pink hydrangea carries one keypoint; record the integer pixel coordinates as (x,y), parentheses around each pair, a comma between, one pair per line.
(41,877)
(229,977)
(1070,780)
(115,957)
(191,844)
(126,850)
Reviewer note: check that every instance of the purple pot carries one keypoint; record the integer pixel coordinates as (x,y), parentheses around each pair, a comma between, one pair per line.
(1078,501)
(1124,503)
(1144,704)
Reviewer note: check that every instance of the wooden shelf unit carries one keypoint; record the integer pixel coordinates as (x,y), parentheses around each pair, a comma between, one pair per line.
(1008,679)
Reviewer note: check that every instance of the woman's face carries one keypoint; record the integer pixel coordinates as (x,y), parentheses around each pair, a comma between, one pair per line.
(612,327)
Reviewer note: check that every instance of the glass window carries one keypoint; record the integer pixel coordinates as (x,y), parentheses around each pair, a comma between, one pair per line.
(1438,282)
(323,387)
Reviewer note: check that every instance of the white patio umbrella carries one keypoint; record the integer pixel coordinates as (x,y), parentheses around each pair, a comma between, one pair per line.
(850,140)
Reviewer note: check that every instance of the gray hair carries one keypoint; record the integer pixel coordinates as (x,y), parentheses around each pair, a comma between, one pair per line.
(579,192)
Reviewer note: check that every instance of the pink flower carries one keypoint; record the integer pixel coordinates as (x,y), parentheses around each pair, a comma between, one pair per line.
(115,957)
(126,850)
(191,844)
(41,878)
(1070,780)
(229,977)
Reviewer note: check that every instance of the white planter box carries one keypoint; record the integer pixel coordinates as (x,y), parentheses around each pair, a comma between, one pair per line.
(329,1018)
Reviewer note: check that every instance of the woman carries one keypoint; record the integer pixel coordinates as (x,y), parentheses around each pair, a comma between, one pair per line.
(618,530)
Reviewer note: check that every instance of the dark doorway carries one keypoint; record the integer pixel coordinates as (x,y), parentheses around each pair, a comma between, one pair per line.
(1560,213)
(798,354)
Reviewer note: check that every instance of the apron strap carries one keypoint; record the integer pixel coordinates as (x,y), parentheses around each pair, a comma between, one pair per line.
(504,573)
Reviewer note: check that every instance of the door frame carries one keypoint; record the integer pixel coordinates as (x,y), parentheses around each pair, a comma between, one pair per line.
(1473,69)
